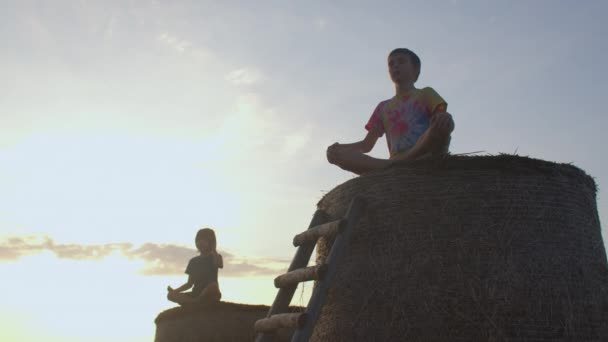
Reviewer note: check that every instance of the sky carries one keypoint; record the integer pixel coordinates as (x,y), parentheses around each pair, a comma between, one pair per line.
(125,126)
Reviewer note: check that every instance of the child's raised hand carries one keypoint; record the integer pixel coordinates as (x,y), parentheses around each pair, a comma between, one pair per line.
(170,289)
(332,153)
(220,261)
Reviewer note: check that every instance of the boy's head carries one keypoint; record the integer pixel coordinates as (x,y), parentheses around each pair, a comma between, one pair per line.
(205,240)
(403,65)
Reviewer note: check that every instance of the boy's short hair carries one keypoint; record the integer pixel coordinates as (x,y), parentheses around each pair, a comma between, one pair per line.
(414,59)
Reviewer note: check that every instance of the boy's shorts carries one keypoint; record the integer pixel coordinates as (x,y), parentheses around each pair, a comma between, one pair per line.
(443,150)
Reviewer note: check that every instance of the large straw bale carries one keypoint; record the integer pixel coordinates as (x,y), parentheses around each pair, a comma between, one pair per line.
(484,248)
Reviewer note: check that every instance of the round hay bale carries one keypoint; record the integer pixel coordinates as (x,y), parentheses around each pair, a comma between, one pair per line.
(217,322)
(500,248)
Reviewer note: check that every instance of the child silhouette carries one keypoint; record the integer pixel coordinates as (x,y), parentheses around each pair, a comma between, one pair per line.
(202,273)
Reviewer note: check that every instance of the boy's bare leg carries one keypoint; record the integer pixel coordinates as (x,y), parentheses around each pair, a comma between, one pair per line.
(180,298)
(434,141)
(428,144)
(355,161)
(210,294)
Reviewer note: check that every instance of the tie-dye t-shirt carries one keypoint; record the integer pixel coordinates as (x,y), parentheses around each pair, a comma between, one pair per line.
(405,118)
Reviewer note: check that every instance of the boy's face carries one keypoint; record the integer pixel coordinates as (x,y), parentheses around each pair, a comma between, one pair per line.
(400,69)
(202,245)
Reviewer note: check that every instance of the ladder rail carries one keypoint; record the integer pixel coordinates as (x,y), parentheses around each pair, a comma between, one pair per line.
(319,295)
(298,271)
(300,260)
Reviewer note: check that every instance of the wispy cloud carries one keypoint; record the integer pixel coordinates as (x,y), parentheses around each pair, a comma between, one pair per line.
(245,76)
(296,141)
(180,45)
(159,259)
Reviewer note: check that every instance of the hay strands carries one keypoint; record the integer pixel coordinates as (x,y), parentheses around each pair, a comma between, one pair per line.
(328,230)
(278,321)
(301,275)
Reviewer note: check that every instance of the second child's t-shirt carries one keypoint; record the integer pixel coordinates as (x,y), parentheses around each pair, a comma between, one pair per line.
(405,118)
(203,271)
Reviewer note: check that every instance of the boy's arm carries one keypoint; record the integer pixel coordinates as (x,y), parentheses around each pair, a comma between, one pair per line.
(210,290)
(182,288)
(219,260)
(365,145)
(335,151)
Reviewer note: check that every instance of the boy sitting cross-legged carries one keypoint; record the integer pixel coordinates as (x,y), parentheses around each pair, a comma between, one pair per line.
(415,122)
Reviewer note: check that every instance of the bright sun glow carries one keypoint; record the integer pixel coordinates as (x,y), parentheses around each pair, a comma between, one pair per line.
(108,298)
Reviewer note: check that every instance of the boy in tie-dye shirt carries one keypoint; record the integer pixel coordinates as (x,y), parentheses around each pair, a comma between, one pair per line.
(415,122)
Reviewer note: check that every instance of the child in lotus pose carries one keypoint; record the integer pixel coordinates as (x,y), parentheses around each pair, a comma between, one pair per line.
(202,273)
(415,122)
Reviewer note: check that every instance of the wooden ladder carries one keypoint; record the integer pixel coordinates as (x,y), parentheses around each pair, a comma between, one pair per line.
(287,283)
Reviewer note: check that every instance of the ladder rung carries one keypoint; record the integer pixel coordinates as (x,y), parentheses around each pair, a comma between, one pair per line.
(278,321)
(327,229)
(302,274)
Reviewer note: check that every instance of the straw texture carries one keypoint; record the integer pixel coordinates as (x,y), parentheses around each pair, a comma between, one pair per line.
(485,248)
(216,322)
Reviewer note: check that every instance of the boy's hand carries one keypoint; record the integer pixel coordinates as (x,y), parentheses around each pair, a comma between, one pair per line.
(443,123)
(170,289)
(332,153)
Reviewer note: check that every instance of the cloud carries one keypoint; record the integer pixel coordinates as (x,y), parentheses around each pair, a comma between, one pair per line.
(14,248)
(295,142)
(159,259)
(245,76)
(167,259)
(252,122)
(180,45)
(84,252)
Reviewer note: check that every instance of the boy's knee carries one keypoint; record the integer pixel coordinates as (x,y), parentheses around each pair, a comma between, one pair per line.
(439,134)
(332,154)
(442,124)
